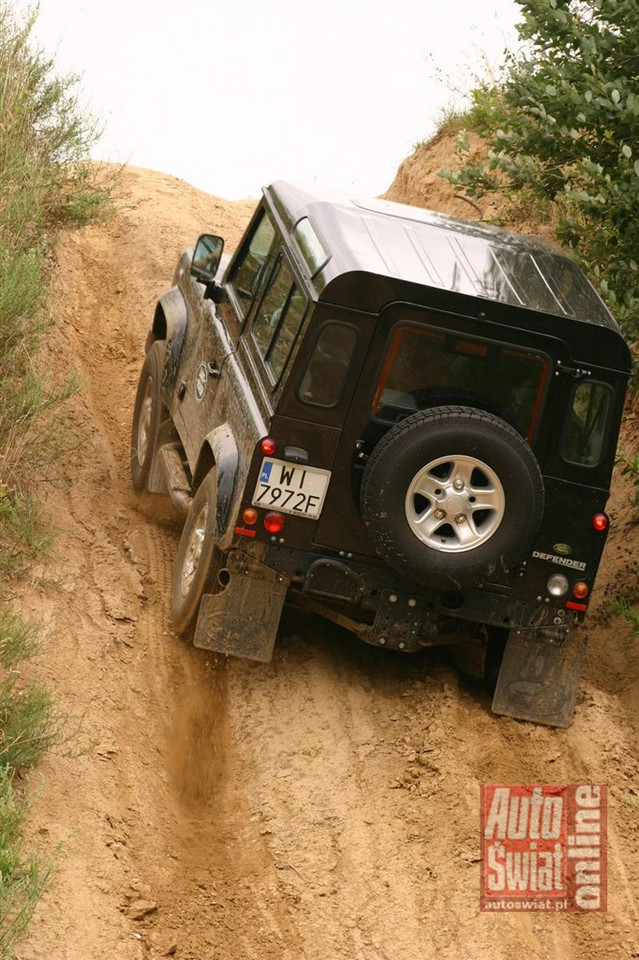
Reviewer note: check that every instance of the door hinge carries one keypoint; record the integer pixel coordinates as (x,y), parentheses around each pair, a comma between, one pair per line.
(574,372)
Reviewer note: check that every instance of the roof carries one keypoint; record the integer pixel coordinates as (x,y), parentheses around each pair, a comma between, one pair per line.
(415,245)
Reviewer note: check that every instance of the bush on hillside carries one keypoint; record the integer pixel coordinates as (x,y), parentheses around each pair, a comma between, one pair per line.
(45,177)
(46,182)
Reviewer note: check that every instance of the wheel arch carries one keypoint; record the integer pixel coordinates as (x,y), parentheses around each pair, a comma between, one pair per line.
(170,321)
(220,450)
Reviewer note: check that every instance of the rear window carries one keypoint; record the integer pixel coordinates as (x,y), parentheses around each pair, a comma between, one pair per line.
(426,368)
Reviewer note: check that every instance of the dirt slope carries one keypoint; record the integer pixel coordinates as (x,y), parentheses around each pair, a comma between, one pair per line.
(322,807)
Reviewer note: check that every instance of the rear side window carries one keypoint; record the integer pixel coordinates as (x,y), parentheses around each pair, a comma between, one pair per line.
(278,319)
(586,429)
(427,368)
(326,373)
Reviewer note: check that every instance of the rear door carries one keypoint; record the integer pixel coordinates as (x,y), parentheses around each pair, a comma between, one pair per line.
(424,358)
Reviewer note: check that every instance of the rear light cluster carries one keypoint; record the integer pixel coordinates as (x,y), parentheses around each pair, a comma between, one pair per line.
(580,591)
(558,585)
(273,522)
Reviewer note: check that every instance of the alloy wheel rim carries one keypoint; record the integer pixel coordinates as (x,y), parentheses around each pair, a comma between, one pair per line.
(193,552)
(455,504)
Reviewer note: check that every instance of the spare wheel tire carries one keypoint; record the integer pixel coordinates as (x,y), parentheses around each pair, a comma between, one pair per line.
(452,494)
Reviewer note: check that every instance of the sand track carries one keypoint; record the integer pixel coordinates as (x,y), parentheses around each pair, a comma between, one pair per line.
(322,807)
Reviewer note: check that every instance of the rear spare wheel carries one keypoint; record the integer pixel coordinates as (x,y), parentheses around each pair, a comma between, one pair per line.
(452,494)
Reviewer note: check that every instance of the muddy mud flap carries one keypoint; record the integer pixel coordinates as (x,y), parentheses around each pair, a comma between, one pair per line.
(540,674)
(243,617)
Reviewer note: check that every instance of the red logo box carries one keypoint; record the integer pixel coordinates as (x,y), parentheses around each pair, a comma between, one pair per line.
(544,847)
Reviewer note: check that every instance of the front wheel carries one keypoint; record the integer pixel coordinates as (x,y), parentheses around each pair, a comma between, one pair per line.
(198,557)
(147,416)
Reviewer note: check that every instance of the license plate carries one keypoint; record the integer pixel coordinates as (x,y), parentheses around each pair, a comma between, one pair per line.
(291,488)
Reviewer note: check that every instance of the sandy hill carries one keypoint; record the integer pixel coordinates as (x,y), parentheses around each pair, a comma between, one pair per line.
(322,806)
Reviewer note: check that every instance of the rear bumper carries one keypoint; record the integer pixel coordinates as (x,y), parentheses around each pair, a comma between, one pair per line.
(396,613)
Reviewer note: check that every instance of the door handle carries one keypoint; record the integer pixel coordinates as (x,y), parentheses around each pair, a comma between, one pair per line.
(213,371)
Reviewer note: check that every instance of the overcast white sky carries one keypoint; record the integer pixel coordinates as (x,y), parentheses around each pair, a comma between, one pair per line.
(231,94)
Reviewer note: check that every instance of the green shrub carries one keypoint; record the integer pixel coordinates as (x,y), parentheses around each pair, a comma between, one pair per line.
(45,177)
(21,884)
(625,609)
(27,728)
(630,468)
(46,183)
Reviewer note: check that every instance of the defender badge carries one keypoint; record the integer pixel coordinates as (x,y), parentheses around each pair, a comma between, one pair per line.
(562,561)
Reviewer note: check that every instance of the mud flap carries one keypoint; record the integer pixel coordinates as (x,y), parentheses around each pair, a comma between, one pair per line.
(242,619)
(539,675)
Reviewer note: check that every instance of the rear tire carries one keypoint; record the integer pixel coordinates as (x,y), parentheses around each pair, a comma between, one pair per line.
(198,558)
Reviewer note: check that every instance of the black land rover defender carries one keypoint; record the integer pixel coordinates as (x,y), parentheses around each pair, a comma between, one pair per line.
(398,420)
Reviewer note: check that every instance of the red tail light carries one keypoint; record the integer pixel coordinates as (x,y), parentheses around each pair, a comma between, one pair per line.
(273,522)
(600,521)
(573,605)
(267,446)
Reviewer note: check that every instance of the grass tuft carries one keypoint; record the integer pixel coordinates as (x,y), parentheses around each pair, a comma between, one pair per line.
(626,610)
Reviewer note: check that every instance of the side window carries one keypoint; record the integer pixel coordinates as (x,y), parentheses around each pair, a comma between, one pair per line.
(278,319)
(586,428)
(310,245)
(252,264)
(328,367)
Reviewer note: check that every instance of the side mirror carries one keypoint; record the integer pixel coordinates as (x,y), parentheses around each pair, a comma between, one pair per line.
(206,257)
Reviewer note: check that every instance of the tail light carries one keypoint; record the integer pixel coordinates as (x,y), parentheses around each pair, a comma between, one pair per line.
(579,607)
(600,522)
(273,522)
